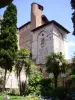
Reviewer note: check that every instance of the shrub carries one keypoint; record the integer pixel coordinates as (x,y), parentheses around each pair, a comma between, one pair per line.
(46,88)
(71,94)
(34,83)
(34,80)
(69,82)
(32,98)
(13,92)
(10,97)
(60,93)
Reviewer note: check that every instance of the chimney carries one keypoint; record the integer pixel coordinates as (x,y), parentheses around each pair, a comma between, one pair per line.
(36,15)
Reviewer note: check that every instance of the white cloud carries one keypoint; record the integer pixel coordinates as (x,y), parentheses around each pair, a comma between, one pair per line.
(71,44)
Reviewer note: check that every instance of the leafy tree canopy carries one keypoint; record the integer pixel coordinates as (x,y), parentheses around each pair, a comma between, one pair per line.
(73,14)
(23,61)
(22,65)
(55,64)
(73,4)
(8,37)
(4,3)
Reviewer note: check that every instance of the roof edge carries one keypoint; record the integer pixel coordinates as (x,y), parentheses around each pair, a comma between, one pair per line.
(52,21)
(24,25)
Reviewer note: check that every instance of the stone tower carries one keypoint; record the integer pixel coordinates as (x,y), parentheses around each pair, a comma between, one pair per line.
(36,15)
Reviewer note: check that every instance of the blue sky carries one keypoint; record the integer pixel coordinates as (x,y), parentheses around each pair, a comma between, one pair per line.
(59,10)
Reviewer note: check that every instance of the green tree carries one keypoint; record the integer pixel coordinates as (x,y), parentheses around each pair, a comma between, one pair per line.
(8,39)
(55,64)
(4,3)
(73,14)
(22,66)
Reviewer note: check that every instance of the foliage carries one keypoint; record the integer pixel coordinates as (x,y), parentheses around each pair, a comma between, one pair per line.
(30,97)
(70,94)
(34,80)
(72,74)
(55,63)
(13,92)
(23,60)
(11,97)
(69,83)
(46,87)
(1,78)
(60,93)
(73,14)
(22,66)
(4,3)
(73,4)
(8,39)
(73,66)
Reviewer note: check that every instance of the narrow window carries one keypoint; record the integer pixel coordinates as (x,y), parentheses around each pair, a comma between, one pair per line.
(42,41)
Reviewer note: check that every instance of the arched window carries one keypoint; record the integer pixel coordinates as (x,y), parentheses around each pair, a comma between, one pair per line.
(42,42)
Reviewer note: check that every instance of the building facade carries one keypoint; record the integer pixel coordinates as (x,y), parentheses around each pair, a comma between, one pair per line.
(42,36)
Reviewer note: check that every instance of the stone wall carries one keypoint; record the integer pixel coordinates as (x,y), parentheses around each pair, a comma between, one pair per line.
(46,40)
(25,40)
(43,44)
